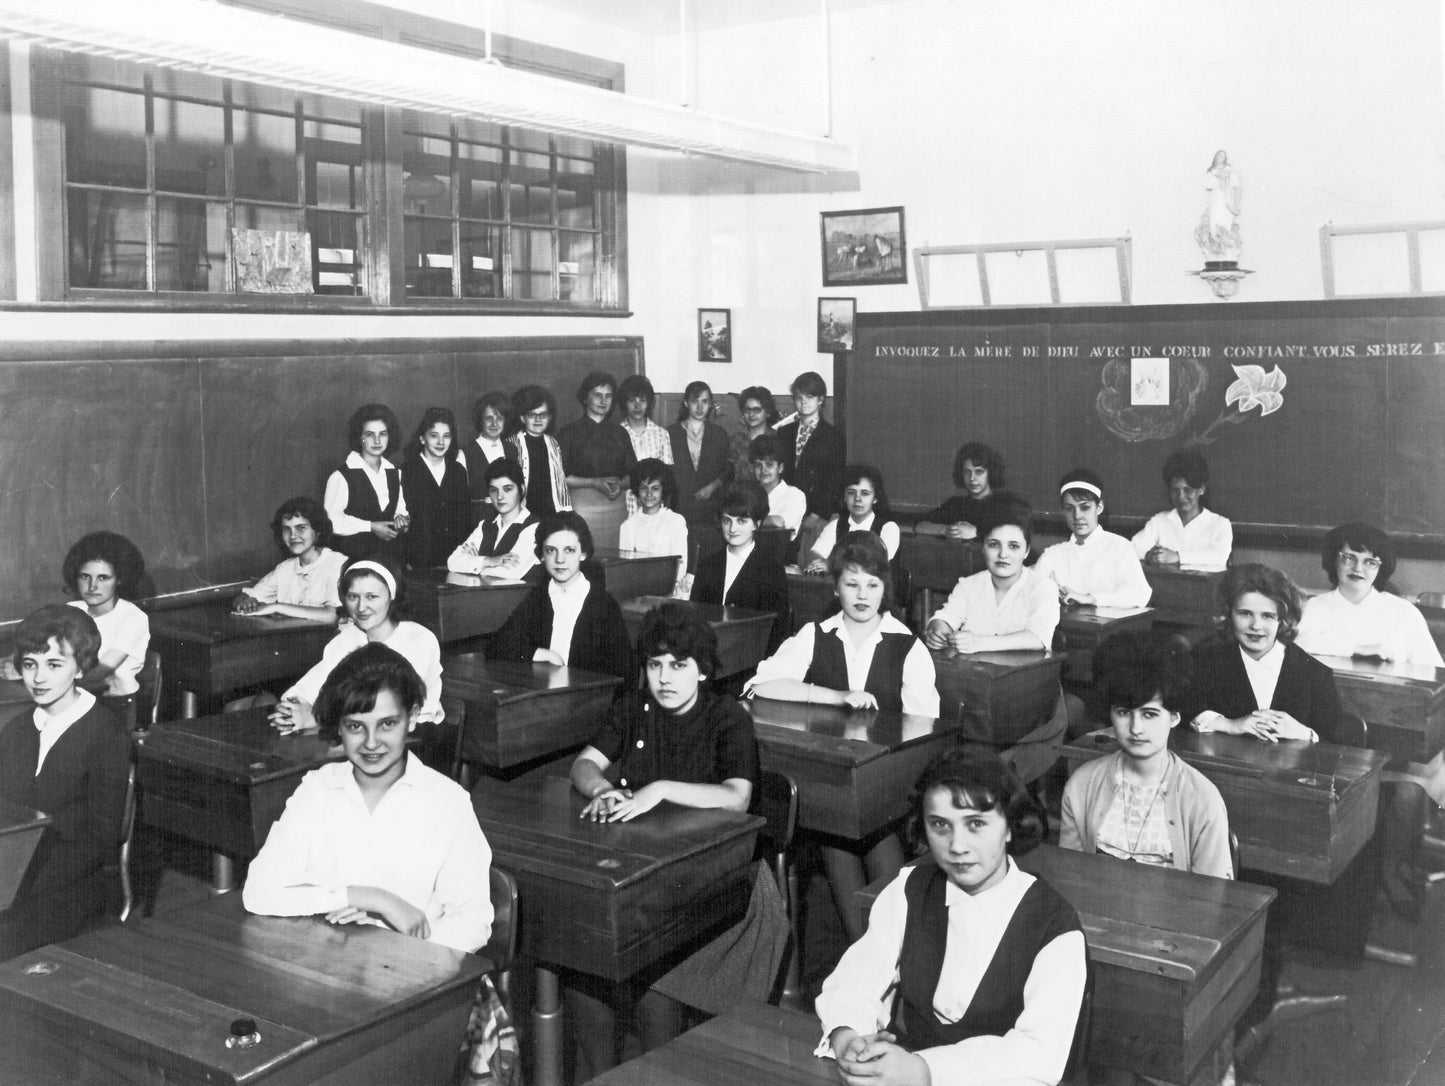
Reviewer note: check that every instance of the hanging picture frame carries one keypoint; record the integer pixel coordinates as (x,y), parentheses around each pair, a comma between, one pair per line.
(864,248)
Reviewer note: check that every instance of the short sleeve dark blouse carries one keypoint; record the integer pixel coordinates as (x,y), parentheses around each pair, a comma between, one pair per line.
(982,513)
(709,744)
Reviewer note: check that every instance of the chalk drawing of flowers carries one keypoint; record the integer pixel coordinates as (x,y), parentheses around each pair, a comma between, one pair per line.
(1255,388)
(1252,388)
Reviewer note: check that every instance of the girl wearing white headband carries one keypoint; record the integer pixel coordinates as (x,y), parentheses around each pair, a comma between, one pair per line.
(1093,566)
(374,600)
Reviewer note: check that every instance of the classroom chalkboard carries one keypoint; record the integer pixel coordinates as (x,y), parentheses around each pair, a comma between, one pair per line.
(1309,413)
(188,448)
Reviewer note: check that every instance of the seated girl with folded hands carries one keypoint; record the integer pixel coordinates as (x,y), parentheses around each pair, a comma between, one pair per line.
(1007,605)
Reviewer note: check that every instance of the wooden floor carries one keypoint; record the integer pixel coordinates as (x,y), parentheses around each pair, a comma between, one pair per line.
(1392,1032)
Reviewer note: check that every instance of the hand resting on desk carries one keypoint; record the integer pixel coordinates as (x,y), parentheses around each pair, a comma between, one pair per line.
(292,715)
(877,1060)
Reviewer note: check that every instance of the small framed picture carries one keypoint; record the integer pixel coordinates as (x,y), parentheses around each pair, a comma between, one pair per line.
(864,248)
(835,324)
(714,335)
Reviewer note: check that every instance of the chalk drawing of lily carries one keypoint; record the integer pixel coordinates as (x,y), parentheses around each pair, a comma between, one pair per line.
(1252,388)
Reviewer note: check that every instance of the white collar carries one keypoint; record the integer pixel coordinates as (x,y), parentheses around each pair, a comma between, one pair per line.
(58,723)
(355,460)
(577,586)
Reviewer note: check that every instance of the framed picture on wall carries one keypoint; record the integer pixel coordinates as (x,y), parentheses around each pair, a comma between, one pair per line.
(714,335)
(864,248)
(836,317)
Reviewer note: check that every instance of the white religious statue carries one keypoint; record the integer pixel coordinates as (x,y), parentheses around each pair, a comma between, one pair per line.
(1218,229)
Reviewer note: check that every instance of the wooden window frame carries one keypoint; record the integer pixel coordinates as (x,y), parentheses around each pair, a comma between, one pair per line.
(382,235)
(1123,258)
(1411,230)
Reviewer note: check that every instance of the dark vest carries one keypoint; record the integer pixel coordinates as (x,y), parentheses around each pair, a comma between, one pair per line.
(1040,918)
(885,674)
(361,502)
(491,545)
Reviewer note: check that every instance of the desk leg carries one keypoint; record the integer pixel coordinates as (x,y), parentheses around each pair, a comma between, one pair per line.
(188,705)
(547,1029)
(223,873)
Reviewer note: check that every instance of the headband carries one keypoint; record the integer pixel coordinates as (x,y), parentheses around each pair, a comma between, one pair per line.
(380,570)
(1080,484)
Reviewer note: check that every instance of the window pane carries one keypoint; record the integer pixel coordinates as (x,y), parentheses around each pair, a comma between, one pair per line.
(527,140)
(331,109)
(105,137)
(255,96)
(190,245)
(428,257)
(333,161)
(173,81)
(532,264)
(480,172)
(83,69)
(425,124)
(265,148)
(575,196)
(576,271)
(572,145)
(481,261)
(335,252)
(469,128)
(107,239)
(255,217)
(426,186)
(190,143)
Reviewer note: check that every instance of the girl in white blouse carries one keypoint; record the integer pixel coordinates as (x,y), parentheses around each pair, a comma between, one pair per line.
(655,527)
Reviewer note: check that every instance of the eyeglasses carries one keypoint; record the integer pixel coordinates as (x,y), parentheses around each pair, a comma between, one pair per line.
(537,416)
(754,409)
(1357,561)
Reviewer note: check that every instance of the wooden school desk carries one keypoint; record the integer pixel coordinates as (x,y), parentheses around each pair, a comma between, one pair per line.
(811,597)
(854,768)
(609,899)
(1303,810)
(154,1000)
(999,696)
(516,710)
(1404,704)
(742,635)
(1183,597)
(460,606)
(20,830)
(1175,956)
(208,652)
(752,1043)
(630,574)
(935,564)
(223,780)
(1081,630)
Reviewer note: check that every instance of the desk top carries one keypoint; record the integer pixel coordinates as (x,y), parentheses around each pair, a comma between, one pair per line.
(169,987)
(446,583)
(752,1042)
(470,675)
(1089,617)
(834,734)
(1387,673)
(714,614)
(213,623)
(236,747)
(534,826)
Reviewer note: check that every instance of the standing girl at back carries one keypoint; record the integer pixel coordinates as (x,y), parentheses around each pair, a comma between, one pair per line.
(434,483)
(700,462)
(363,497)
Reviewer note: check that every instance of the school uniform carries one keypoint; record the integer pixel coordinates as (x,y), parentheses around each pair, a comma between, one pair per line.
(711,464)
(1333,626)
(758,584)
(1305,688)
(124,628)
(1194,820)
(314,585)
(881,526)
(418,644)
(598,641)
(440,510)
(493,539)
(1204,541)
(1104,565)
(541,462)
(70,883)
(984,514)
(355,497)
(421,842)
(893,665)
(989,985)
(818,470)
(478,455)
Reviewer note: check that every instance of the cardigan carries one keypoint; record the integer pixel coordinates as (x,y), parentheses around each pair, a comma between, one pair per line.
(1193,807)
(818,473)
(555,497)
(713,464)
(600,641)
(761,585)
(440,511)
(1306,688)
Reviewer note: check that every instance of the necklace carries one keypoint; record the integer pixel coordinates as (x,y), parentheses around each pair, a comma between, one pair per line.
(1144,821)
